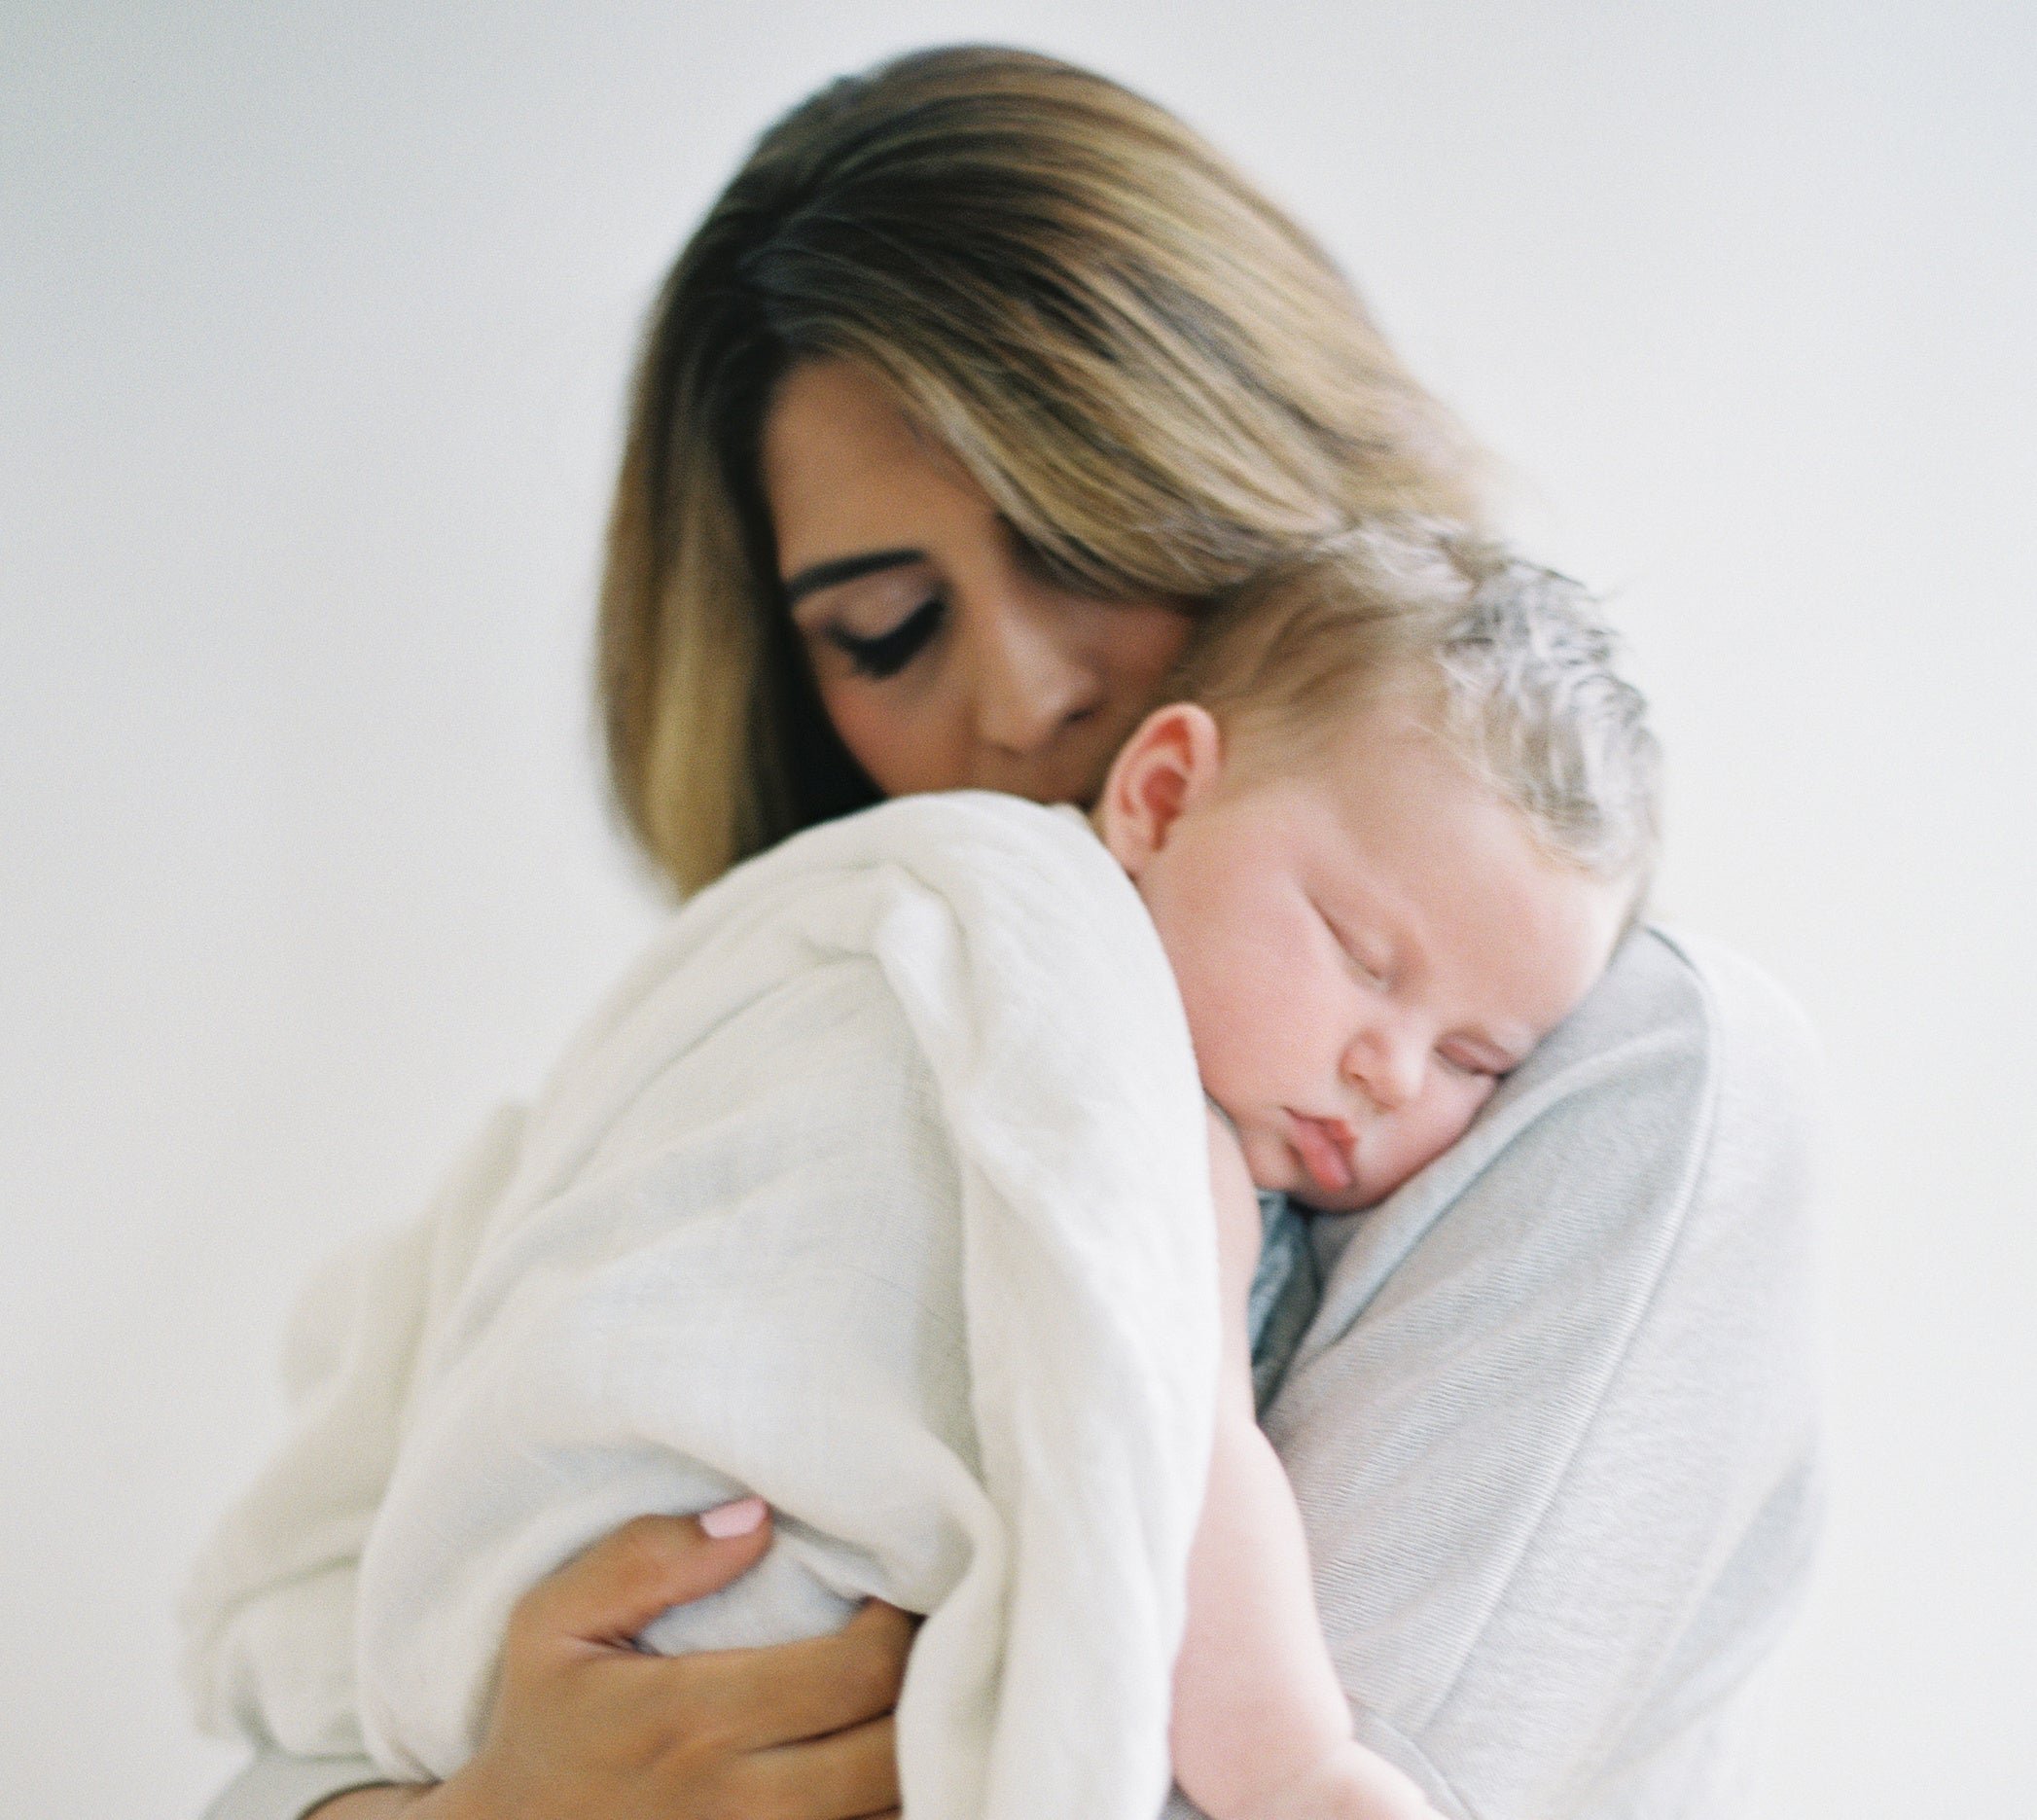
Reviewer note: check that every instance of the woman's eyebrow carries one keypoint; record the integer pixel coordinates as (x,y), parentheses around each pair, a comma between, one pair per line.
(818,575)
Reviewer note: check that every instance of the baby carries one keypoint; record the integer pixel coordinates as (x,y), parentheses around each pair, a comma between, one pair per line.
(1388,841)
(1387,836)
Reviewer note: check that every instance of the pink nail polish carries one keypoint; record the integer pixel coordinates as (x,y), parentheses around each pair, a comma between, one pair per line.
(733,1519)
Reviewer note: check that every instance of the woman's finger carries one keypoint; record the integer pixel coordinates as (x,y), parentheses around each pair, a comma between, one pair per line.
(792,1692)
(612,1591)
(845,1776)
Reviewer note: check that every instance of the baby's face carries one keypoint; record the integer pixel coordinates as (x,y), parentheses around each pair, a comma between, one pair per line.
(1365,943)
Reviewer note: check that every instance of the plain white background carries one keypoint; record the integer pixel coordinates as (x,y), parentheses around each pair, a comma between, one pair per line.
(315,326)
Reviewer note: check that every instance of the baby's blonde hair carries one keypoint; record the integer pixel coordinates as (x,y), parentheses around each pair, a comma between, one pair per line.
(1512,664)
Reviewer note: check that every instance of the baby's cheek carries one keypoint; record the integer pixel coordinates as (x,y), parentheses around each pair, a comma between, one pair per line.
(1464,1107)
(1267,1162)
(1446,1121)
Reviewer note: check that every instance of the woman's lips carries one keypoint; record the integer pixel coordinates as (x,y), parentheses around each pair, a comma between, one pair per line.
(1324,1146)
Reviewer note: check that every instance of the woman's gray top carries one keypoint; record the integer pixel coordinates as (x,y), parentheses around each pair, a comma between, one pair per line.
(1552,1429)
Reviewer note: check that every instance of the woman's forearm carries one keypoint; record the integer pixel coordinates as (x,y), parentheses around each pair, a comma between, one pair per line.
(584,1724)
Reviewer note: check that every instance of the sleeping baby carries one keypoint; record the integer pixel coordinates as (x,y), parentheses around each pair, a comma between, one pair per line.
(909,1185)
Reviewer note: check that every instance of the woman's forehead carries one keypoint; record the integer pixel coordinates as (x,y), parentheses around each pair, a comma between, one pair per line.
(844,469)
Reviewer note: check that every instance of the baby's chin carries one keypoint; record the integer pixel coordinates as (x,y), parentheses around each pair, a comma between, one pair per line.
(1371,1188)
(1273,1162)
(1357,1198)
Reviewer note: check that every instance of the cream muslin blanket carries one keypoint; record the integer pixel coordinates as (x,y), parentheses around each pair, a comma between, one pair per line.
(880,1188)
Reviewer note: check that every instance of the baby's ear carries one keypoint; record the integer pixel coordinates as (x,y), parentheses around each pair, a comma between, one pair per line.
(1168,764)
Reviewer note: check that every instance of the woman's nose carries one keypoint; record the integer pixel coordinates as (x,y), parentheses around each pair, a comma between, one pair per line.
(1388,1064)
(1029,684)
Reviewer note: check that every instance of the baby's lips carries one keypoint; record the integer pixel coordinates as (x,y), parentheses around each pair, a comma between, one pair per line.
(1324,1147)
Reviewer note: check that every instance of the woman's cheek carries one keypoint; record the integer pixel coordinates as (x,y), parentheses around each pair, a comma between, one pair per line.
(900,752)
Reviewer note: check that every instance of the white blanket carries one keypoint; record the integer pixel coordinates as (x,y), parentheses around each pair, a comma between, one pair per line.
(879,1188)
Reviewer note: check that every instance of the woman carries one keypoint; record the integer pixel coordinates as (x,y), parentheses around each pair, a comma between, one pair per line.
(979,381)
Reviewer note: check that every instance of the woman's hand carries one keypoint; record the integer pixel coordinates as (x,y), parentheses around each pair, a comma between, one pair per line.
(585,1724)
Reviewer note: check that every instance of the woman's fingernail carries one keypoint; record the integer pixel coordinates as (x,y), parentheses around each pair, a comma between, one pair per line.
(733,1519)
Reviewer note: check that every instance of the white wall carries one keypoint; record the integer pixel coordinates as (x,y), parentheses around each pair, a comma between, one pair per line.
(315,321)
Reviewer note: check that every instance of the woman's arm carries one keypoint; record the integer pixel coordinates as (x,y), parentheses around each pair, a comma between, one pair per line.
(1553,1431)
(270,1613)
(585,1724)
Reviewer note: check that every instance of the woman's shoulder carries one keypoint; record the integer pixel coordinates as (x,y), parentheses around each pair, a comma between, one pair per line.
(1684,1052)
(1677,1107)
(1677,985)
(1691,1075)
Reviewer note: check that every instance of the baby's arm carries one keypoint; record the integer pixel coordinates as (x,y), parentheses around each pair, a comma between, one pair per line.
(1260,1727)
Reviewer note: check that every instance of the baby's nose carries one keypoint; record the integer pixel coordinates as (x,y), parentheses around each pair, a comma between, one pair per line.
(1389,1065)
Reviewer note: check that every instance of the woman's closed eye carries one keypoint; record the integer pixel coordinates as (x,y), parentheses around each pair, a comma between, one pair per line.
(885,653)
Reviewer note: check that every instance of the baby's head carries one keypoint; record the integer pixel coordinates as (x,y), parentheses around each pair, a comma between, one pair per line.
(1389,830)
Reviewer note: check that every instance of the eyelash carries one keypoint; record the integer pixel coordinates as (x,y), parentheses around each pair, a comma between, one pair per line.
(1371,976)
(890,651)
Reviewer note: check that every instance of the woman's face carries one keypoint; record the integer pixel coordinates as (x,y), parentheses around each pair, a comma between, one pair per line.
(944,655)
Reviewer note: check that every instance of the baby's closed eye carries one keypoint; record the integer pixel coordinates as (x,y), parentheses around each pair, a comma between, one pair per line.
(1475,1064)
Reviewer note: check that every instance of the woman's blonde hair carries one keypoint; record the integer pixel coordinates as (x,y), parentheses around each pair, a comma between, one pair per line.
(1164,384)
